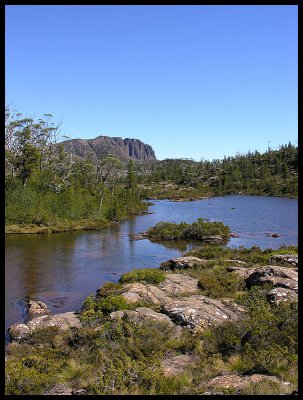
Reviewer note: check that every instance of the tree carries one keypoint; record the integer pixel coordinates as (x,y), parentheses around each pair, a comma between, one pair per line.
(131,177)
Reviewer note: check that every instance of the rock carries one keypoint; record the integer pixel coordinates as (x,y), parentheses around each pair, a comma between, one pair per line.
(101,146)
(64,321)
(238,382)
(234,235)
(140,315)
(18,332)
(138,236)
(59,390)
(214,240)
(279,294)
(198,312)
(36,309)
(284,277)
(243,272)
(143,292)
(172,285)
(284,259)
(174,365)
(183,263)
(179,284)
(79,392)
(39,317)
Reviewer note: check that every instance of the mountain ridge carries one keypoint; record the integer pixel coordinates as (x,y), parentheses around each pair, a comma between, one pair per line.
(101,146)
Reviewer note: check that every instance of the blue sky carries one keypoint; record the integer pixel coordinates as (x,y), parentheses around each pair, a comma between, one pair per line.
(191,81)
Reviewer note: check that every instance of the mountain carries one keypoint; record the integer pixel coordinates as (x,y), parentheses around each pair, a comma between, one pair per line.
(125,149)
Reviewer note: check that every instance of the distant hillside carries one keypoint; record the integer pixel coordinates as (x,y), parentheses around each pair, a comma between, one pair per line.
(125,149)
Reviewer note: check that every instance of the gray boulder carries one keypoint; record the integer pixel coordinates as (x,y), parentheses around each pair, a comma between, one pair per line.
(284,259)
(140,315)
(279,294)
(172,285)
(239,382)
(198,312)
(39,316)
(284,277)
(183,263)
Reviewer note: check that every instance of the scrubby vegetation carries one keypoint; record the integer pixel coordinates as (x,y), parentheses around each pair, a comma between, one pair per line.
(253,255)
(49,190)
(273,173)
(147,275)
(198,230)
(118,357)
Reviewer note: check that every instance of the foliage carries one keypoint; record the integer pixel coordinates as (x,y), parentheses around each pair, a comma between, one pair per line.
(218,282)
(148,275)
(265,339)
(196,231)
(273,173)
(251,256)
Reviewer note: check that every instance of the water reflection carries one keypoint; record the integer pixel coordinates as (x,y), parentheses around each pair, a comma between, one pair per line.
(64,268)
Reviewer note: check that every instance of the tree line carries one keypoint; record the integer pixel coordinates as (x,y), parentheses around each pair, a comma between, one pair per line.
(45,185)
(273,173)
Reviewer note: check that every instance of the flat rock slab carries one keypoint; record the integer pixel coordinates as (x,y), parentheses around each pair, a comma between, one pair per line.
(172,285)
(144,292)
(140,315)
(198,312)
(183,263)
(238,381)
(177,364)
(179,284)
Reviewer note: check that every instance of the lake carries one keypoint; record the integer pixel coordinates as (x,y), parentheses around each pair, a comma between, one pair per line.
(62,269)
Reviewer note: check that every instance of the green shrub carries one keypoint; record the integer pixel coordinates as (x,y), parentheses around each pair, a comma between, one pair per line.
(218,282)
(109,288)
(148,275)
(111,303)
(196,231)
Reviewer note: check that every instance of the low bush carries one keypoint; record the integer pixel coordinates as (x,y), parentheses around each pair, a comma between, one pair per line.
(148,275)
(218,282)
(196,231)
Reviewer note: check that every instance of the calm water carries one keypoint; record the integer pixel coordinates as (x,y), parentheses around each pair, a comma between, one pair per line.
(64,268)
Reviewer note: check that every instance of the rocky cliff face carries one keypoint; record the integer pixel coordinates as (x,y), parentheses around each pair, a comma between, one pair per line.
(101,146)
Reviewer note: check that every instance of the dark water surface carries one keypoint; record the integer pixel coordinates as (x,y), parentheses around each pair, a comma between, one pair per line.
(64,268)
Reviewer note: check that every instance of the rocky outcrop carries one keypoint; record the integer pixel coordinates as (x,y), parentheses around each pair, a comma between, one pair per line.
(146,293)
(173,285)
(176,284)
(239,382)
(283,277)
(275,296)
(284,259)
(101,146)
(177,295)
(183,263)
(40,317)
(199,312)
(141,314)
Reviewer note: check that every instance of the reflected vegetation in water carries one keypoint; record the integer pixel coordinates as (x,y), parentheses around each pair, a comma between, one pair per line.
(64,268)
